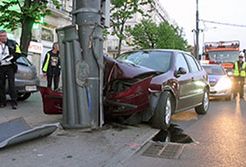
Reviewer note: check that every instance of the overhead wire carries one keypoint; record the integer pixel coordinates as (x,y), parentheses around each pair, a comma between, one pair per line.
(223,23)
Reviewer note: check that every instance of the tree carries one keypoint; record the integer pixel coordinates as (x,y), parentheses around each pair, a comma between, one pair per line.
(148,34)
(121,12)
(23,13)
(144,34)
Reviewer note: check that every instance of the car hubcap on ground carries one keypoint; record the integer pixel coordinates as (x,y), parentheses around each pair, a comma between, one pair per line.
(206,101)
(168,111)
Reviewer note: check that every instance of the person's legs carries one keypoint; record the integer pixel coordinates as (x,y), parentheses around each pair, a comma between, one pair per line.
(241,87)
(56,81)
(235,87)
(12,90)
(2,87)
(49,81)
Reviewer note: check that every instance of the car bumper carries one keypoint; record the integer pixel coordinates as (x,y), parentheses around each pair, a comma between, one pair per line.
(224,93)
(23,86)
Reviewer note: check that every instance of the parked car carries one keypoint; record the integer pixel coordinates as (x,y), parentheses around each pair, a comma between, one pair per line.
(155,83)
(220,82)
(26,80)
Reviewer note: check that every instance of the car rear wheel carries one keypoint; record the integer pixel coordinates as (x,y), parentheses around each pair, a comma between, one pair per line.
(203,108)
(162,115)
(23,96)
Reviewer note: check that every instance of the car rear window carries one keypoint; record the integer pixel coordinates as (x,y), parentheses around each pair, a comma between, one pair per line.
(214,70)
(157,60)
(23,61)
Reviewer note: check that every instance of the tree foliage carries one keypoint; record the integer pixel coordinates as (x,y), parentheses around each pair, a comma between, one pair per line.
(23,13)
(148,34)
(121,12)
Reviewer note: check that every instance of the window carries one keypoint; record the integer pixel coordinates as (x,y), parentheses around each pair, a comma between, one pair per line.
(192,63)
(23,61)
(198,65)
(214,70)
(47,34)
(181,62)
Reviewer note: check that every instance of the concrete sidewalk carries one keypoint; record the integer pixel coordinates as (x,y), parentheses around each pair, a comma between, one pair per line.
(108,146)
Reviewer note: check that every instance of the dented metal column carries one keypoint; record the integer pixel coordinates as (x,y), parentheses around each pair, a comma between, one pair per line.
(88,17)
(76,112)
(82,66)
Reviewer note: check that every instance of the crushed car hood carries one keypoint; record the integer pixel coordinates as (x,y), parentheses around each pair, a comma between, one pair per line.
(122,70)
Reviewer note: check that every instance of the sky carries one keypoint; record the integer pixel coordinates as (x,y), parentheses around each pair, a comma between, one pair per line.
(223,11)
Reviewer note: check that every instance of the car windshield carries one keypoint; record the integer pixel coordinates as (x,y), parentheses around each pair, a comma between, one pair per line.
(214,70)
(157,60)
(222,57)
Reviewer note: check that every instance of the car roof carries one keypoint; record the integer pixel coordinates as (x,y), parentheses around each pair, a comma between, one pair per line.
(162,50)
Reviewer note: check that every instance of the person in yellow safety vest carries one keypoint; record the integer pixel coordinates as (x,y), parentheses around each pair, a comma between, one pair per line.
(9,53)
(239,76)
(51,66)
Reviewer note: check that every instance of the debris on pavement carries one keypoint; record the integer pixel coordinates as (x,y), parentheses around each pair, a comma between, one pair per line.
(18,131)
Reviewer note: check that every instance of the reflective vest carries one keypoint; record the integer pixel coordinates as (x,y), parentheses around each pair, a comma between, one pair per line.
(240,73)
(46,64)
(17,49)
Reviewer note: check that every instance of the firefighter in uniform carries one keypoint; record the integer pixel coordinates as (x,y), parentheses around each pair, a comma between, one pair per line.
(9,52)
(51,66)
(239,76)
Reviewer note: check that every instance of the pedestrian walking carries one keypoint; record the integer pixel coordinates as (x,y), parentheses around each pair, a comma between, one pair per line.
(9,52)
(239,76)
(51,66)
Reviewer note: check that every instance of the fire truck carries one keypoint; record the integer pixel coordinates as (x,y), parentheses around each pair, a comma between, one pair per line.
(222,52)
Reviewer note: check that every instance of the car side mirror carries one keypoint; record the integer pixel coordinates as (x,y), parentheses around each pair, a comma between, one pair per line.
(180,71)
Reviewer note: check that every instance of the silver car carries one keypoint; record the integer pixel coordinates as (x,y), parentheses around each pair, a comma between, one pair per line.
(26,80)
(220,82)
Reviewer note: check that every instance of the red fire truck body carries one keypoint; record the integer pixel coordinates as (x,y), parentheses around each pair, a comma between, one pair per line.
(222,52)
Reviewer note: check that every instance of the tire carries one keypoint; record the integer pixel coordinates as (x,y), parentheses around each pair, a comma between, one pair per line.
(162,115)
(203,108)
(23,96)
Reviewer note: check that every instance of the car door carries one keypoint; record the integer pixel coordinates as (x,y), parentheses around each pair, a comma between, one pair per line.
(184,88)
(198,83)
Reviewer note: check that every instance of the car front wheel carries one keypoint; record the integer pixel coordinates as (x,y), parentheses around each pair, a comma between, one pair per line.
(203,108)
(162,115)
(23,96)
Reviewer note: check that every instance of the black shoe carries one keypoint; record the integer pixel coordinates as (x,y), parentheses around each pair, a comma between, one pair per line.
(14,107)
(14,104)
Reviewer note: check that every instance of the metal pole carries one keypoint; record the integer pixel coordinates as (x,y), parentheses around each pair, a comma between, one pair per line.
(75,103)
(88,18)
(197,32)
(81,48)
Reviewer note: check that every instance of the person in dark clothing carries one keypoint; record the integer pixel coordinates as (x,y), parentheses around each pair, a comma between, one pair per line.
(9,52)
(52,66)
(239,76)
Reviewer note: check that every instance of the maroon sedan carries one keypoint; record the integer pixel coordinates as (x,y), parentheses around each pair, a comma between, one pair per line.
(152,84)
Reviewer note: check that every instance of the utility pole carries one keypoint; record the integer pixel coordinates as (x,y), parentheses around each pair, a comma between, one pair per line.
(88,19)
(82,66)
(197,32)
